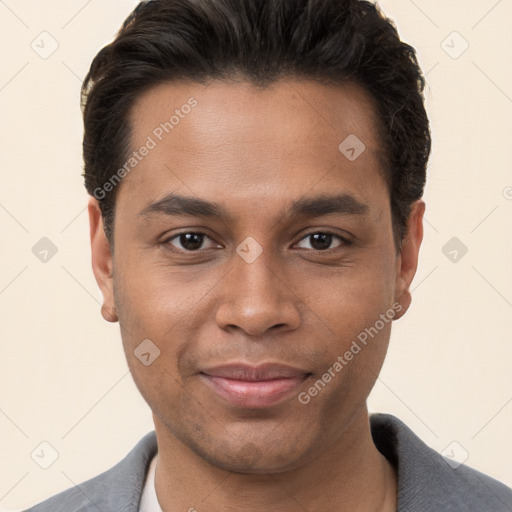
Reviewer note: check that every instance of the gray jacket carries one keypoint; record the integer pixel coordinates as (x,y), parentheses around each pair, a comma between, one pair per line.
(426,481)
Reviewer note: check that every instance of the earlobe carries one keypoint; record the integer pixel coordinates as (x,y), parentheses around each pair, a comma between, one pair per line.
(407,260)
(102,264)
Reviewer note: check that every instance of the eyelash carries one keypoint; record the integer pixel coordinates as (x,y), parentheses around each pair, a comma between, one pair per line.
(343,241)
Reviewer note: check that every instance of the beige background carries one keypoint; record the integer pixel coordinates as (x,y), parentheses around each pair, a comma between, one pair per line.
(63,376)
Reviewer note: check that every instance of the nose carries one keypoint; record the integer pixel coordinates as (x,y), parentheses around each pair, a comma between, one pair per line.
(257,297)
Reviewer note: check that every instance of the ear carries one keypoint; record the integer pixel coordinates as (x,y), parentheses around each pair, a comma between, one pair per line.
(102,260)
(407,260)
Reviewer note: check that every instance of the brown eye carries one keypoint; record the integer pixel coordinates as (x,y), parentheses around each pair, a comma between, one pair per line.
(188,241)
(322,241)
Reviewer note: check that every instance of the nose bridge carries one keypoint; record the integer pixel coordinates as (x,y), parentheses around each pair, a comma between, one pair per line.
(255,296)
(258,277)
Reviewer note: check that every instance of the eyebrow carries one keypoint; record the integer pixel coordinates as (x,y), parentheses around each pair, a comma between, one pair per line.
(174,204)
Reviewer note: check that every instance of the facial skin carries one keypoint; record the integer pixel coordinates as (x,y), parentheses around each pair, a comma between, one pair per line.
(255,153)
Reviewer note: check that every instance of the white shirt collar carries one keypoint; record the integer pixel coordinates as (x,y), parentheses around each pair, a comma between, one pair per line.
(149,500)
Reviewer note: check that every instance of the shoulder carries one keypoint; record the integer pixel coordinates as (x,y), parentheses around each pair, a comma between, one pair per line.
(429,482)
(117,489)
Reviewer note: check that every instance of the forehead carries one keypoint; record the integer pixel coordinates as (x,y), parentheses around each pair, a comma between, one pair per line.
(226,137)
(252,114)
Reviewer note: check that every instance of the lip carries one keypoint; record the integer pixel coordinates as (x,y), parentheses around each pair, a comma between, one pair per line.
(254,386)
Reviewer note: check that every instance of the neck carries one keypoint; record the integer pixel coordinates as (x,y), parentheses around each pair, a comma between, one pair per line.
(352,476)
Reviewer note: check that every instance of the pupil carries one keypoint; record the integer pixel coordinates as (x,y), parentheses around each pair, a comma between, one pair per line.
(191,241)
(321,241)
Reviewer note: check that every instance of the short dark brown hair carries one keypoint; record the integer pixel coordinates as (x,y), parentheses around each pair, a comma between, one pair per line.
(260,41)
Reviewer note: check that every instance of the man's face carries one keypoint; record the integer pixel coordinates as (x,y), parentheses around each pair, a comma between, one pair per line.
(298,262)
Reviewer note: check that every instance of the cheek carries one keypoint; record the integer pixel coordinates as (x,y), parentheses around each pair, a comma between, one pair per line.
(347,300)
(158,298)
(169,307)
(347,308)
(355,318)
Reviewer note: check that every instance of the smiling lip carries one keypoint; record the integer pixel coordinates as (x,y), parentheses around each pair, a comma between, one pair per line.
(254,386)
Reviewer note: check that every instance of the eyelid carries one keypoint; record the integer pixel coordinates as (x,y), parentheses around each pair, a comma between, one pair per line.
(343,239)
(167,240)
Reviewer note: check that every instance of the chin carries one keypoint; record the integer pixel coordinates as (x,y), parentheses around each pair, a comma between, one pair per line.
(252,458)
